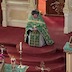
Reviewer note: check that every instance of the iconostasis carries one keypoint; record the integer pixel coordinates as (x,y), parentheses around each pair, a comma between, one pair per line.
(15,12)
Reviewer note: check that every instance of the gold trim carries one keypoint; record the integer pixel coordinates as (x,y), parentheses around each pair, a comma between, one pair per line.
(35,21)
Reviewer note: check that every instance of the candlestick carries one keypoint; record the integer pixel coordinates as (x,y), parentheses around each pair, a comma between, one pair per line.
(21,67)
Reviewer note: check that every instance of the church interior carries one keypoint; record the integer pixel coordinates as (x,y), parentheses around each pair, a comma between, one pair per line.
(13,19)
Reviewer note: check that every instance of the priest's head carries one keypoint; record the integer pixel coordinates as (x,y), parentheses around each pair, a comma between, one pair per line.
(35,13)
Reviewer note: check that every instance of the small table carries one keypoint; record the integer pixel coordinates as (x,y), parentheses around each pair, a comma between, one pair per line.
(2,66)
(8,68)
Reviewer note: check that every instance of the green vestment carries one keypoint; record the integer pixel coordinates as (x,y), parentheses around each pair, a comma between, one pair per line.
(41,29)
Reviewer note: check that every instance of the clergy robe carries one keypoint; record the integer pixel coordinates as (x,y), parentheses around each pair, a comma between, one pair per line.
(40,36)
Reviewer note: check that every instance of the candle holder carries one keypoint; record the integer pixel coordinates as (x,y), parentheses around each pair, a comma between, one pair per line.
(20,66)
(20,52)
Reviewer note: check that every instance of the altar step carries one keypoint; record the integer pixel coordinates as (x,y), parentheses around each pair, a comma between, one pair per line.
(11,36)
(54,68)
(37,58)
(53,58)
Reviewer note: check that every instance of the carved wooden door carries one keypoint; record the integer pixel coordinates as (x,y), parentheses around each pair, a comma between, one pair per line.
(54,7)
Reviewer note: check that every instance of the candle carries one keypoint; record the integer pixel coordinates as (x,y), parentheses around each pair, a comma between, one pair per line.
(20,46)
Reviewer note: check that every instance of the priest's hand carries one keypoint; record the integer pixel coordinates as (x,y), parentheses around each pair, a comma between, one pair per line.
(34,28)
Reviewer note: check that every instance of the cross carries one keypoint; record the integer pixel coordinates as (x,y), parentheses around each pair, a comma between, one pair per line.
(42,67)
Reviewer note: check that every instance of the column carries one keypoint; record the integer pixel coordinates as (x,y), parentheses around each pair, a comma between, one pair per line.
(11,9)
(4,13)
(68,62)
(68,15)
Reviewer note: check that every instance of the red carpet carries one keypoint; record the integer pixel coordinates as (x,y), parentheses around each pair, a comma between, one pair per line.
(10,35)
(53,56)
